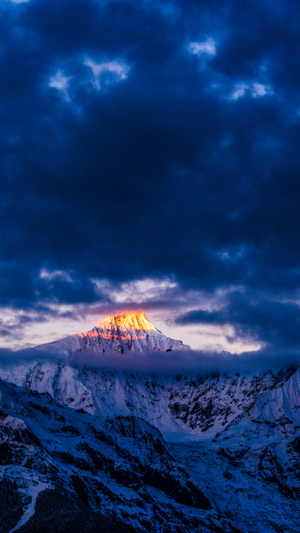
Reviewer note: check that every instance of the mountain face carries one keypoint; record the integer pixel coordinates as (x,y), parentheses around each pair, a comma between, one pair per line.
(63,470)
(126,332)
(94,449)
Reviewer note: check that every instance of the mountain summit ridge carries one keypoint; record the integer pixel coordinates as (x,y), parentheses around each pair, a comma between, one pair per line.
(128,319)
(118,333)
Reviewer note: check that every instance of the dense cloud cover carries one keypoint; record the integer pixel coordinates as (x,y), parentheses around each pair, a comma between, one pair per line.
(148,140)
(175,362)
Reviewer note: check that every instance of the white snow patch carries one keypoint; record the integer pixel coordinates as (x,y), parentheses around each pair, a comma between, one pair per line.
(29,512)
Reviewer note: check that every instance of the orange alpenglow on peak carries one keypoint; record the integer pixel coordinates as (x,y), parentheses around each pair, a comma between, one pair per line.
(129,331)
(128,320)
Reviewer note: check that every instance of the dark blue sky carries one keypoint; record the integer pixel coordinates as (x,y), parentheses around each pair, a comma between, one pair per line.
(151,140)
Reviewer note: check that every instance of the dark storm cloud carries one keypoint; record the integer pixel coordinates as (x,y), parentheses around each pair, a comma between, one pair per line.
(25,287)
(275,323)
(124,155)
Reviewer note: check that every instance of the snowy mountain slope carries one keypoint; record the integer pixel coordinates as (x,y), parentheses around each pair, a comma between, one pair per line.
(251,468)
(105,476)
(249,487)
(92,438)
(180,406)
(122,333)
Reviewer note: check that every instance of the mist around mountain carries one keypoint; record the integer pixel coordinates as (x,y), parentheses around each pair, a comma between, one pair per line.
(129,341)
(122,428)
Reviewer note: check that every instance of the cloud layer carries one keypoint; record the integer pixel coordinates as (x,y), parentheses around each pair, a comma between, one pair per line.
(177,362)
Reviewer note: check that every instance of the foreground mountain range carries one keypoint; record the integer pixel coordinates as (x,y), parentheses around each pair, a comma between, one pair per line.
(88,448)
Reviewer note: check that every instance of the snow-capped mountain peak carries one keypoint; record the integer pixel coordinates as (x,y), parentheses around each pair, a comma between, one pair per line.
(121,333)
(128,320)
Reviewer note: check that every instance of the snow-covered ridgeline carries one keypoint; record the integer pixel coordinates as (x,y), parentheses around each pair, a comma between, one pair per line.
(180,406)
(123,333)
